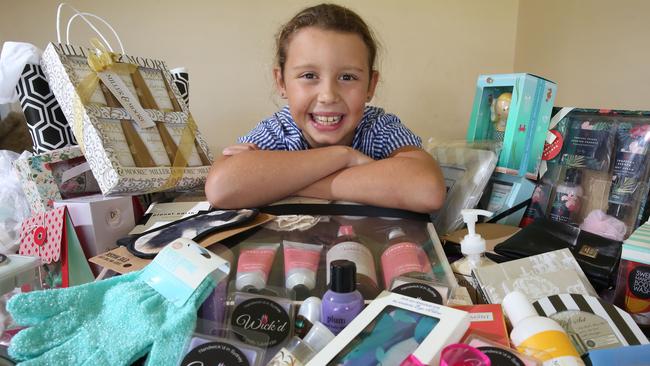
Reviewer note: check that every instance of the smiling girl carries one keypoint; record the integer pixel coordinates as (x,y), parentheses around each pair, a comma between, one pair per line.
(327,143)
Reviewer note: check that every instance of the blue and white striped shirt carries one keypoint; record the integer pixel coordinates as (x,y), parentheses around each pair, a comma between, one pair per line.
(377,135)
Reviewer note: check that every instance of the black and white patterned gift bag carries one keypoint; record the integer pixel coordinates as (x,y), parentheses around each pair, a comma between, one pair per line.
(47,124)
(182,81)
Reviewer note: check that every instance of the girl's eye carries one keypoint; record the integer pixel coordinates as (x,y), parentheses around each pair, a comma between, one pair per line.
(348,77)
(308,75)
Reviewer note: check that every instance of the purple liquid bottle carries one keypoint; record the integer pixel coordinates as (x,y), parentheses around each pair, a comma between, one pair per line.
(342,302)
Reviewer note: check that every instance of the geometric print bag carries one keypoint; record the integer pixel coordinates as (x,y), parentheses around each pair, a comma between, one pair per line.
(47,124)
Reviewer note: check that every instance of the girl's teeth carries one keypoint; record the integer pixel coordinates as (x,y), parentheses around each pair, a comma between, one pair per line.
(327,120)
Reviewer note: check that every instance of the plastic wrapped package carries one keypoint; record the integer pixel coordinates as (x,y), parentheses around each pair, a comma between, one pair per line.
(600,177)
(18,273)
(467,168)
(14,208)
(299,259)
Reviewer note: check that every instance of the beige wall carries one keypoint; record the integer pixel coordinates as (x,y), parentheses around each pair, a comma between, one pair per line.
(433,52)
(597,51)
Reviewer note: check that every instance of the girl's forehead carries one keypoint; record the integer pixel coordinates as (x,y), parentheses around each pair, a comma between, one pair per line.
(314,41)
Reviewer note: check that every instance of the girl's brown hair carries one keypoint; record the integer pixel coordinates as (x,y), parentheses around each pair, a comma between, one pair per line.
(328,17)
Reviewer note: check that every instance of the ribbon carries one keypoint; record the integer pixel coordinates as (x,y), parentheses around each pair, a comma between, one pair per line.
(103,60)
(185,146)
(99,61)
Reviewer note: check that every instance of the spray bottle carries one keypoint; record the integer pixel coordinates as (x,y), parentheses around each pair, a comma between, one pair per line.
(473,248)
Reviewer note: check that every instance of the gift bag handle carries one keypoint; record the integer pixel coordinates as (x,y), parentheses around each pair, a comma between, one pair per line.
(84,16)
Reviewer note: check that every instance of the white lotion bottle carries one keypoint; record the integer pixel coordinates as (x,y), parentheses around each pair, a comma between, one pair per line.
(473,248)
(537,336)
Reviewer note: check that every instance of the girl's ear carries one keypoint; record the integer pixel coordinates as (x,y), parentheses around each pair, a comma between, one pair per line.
(279,82)
(372,85)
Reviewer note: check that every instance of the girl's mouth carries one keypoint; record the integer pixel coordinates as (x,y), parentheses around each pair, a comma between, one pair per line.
(326,123)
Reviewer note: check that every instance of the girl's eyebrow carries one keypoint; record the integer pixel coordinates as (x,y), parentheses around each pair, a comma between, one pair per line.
(313,66)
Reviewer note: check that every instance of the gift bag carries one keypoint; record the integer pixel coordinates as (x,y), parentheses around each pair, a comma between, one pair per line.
(51,236)
(182,80)
(47,124)
(128,117)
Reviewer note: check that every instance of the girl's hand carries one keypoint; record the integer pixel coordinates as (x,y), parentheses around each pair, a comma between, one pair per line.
(356,157)
(238,148)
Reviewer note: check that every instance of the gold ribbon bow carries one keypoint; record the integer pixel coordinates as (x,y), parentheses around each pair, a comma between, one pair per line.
(99,61)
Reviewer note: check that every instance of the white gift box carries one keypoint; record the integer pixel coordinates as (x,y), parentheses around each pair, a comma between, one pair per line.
(449,326)
(100,221)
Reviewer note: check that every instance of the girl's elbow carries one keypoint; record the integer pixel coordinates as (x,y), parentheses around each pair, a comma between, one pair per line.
(433,199)
(217,194)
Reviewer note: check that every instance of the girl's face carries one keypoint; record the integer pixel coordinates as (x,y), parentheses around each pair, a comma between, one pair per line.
(327,81)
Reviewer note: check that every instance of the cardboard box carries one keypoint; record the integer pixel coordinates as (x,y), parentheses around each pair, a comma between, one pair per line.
(449,325)
(43,177)
(131,122)
(488,322)
(537,276)
(100,221)
(527,121)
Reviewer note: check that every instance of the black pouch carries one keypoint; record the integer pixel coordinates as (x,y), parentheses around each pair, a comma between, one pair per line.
(148,244)
(598,256)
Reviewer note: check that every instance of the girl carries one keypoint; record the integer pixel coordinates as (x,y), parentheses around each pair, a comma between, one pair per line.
(327,143)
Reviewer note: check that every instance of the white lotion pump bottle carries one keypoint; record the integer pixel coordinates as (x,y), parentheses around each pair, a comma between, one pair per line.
(538,336)
(473,248)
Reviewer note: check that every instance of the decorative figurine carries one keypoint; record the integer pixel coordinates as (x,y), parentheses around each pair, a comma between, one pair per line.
(499,116)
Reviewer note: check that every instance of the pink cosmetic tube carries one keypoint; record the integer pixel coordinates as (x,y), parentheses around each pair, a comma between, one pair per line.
(300,266)
(254,265)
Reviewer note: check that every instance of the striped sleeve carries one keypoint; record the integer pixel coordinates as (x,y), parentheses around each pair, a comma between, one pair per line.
(392,135)
(263,135)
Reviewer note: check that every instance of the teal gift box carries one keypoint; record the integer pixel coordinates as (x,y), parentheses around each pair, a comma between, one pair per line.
(515,109)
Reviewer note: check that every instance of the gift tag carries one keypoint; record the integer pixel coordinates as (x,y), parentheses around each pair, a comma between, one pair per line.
(180,268)
(41,235)
(129,101)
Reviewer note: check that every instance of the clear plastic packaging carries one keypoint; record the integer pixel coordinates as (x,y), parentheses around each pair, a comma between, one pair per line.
(609,150)
(14,208)
(18,273)
(467,168)
(372,235)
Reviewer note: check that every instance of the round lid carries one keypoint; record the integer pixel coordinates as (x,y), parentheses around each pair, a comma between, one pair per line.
(517,307)
(346,230)
(250,280)
(318,337)
(310,309)
(573,175)
(343,276)
(472,244)
(395,232)
(300,277)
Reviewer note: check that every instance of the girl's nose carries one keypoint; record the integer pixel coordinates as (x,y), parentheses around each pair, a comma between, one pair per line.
(328,92)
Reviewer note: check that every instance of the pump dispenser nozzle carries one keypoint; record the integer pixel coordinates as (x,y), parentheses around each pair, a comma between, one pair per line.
(472,243)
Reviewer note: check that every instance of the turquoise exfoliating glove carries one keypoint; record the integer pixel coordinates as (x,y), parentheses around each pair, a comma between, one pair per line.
(110,322)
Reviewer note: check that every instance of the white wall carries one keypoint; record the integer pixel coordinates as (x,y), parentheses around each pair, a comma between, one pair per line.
(433,52)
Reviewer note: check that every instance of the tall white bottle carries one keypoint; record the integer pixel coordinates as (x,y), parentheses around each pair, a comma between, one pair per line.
(538,336)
